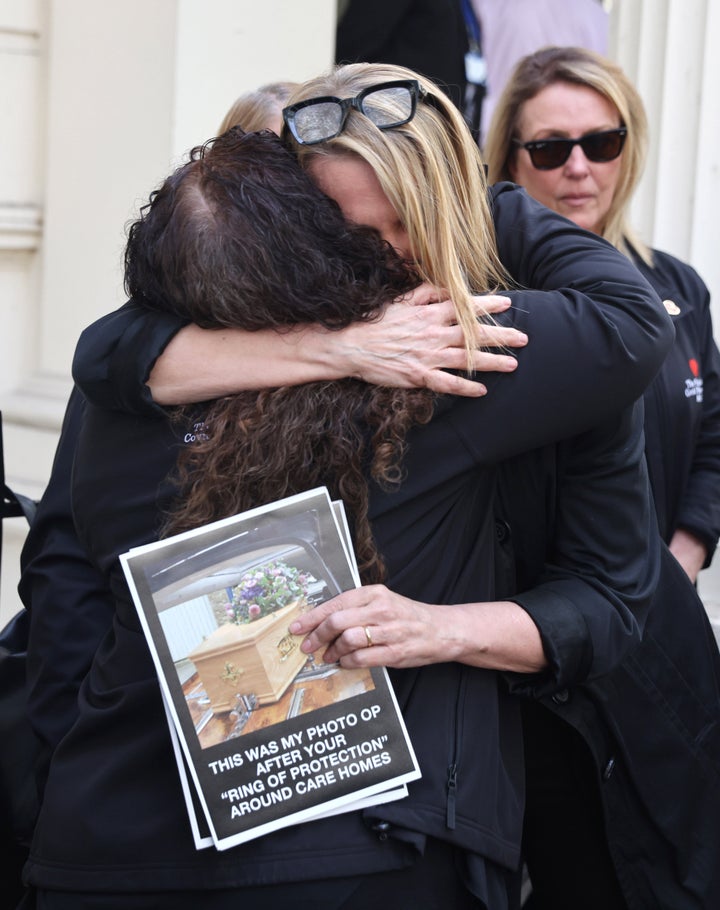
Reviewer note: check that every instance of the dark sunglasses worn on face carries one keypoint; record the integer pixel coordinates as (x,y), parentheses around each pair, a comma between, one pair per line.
(388,105)
(547,154)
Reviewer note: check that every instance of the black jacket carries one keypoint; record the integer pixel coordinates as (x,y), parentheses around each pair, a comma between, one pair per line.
(653,722)
(427,36)
(113,816)
(682,409)
(55,571)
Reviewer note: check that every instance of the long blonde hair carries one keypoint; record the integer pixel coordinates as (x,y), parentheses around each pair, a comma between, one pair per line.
(431,171)
(576,66)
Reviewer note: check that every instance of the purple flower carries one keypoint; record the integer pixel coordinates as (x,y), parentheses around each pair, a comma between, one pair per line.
(264,589)
(252,590)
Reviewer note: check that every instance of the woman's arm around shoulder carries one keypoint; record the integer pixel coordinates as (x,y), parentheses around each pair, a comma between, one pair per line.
(597,333)
(115,355)
(136,359)
(600,289)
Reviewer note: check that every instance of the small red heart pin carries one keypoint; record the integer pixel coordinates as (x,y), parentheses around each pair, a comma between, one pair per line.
(694,367)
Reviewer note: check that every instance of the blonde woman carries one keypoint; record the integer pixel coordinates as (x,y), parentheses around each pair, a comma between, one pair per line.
(571,128)
(443,621)
(546,82)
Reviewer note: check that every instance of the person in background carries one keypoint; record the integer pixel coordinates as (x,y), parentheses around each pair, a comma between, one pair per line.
(571,129)
(260,109)
(427,36)
(511,29)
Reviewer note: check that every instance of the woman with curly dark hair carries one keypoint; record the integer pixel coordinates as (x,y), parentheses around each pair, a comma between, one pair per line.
(238,237)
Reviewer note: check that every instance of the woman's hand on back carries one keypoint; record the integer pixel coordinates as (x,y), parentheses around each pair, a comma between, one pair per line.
(417,340)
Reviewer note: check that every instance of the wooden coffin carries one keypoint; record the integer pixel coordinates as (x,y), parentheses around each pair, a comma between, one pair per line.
(259,658)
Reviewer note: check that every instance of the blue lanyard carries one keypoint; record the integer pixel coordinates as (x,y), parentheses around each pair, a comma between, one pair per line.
(472,26)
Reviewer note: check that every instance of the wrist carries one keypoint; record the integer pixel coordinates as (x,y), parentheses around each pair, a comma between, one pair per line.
(341,351)
(314,352)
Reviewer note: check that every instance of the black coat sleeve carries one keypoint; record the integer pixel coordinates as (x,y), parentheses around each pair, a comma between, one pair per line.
(699,503)
(579,508)
(367,28)
(67,597)
(587,580)
(114,357)
(427,36)
(598,334)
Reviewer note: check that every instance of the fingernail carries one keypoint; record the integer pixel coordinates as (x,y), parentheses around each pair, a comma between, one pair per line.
(294,628)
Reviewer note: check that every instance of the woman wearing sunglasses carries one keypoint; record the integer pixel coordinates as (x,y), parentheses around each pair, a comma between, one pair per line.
(572,130)
(397,157)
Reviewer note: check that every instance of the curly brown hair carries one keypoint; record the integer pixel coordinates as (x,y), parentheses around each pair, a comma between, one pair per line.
(240,236)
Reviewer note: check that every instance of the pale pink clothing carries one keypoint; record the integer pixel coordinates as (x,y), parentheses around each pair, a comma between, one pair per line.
(513,28)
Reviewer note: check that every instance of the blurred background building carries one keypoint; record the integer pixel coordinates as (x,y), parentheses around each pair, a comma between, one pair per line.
(98,101)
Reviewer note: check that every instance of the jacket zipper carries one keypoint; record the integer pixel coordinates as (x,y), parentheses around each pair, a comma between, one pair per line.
(452,775)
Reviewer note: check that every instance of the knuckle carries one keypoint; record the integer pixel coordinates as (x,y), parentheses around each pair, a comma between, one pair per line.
(334,625)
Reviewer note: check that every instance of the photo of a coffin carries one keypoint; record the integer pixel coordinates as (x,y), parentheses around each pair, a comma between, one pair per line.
(259,658)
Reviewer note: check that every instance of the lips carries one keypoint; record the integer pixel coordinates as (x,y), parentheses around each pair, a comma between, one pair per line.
(577,199)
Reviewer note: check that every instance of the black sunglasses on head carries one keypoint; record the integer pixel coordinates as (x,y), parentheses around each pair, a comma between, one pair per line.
(547,154)
(387,104)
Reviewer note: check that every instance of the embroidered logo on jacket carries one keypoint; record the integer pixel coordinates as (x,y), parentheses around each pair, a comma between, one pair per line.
(694,386)
(198,433)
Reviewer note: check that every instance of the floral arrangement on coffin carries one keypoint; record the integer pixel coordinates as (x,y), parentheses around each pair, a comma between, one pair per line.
(265,589)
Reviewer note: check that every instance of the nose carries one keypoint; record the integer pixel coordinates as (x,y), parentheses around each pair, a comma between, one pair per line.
(577,164)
